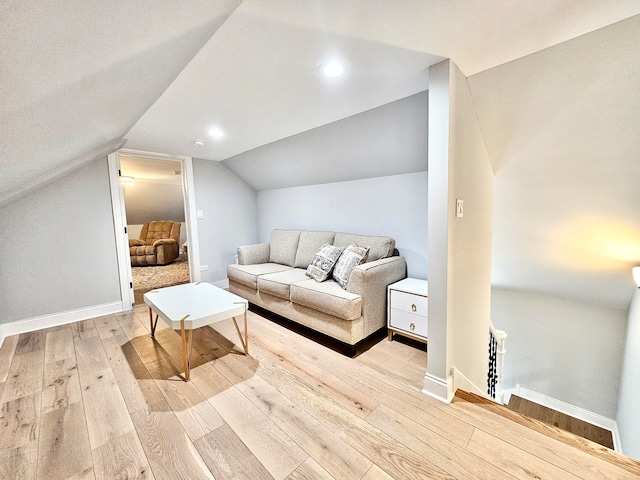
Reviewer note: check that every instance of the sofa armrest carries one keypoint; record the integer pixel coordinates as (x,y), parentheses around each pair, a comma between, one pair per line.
(370,280)
(136,242)
(164,241)
(253,254)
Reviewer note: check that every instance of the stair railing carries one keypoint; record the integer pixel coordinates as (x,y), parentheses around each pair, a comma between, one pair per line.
(495,376)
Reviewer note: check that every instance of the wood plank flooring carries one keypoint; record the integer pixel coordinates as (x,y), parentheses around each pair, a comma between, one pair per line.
(99,399)
(561,420)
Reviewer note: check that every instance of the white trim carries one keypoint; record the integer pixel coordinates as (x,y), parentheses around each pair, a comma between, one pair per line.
(193,249)
(438,388)
(56,319)
(576,412)
(2,335)
(122,240)
(188,192)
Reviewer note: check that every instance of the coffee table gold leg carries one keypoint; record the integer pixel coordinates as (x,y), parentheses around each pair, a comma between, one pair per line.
(244,341)
(153,324)
(187,337)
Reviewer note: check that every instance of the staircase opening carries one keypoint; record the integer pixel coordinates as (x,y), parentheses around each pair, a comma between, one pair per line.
(561,420)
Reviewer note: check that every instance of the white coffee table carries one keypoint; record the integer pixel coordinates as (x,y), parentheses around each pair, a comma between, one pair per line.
(193,305)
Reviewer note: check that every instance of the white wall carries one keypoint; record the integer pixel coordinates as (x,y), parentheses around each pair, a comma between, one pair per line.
(561,126)
(566,350)
(147,201)
(58,247)
(438,227)
(460,248)
(229,208)
(628,419)
(469,293)
(395,206)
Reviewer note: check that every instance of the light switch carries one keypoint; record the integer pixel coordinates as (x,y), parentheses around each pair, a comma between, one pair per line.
(199,214)
(459,207)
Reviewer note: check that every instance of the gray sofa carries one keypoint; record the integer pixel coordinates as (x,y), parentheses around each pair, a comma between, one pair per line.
(273,276)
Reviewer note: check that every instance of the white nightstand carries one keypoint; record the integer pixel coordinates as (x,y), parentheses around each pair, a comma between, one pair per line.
(407,302)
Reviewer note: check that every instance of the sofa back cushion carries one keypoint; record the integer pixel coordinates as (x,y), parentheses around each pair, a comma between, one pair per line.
(283,247)
(309,244)
(379,247)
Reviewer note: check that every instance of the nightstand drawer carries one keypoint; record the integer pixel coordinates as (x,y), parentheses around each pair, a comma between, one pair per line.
(409,303)
(409,322)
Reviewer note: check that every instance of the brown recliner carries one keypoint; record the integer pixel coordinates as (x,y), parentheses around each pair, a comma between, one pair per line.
(157,245)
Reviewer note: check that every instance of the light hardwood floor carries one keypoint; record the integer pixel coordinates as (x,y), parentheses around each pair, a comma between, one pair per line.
(100,399)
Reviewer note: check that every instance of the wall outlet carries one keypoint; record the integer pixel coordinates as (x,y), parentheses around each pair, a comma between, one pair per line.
(204,268)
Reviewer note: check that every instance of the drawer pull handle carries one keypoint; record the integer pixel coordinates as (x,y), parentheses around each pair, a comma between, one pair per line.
(412,326)
(413,307)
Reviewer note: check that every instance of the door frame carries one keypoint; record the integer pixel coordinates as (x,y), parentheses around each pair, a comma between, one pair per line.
(120,218)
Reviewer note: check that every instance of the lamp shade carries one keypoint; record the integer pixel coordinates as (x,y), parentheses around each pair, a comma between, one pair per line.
(636,275)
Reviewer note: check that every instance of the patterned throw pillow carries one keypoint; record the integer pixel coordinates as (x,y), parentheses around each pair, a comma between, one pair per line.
(323,262)
(352,256)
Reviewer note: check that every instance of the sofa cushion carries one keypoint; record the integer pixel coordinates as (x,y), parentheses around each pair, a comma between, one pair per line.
(322,264)
(248,274)
(352,256)
(379,247)
(310,242)
(327,297)
(284,246)
(277,284)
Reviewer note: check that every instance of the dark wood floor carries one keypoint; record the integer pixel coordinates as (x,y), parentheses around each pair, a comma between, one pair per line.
(561,420)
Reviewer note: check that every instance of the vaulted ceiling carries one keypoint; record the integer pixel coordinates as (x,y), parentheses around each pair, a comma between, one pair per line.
(81,78)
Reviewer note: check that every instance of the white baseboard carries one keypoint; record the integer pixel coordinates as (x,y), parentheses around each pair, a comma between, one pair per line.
(438,388)
(576,412)
(55,319)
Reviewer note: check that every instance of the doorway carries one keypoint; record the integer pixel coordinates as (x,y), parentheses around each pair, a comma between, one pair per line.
(150,187)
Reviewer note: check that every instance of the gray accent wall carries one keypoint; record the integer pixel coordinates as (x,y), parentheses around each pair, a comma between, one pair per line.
(58,247)
(566,350)
(229,218)
(627,416)
(388,140)
(394,205)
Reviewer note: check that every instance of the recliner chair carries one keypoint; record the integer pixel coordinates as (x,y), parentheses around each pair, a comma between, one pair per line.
(157,245)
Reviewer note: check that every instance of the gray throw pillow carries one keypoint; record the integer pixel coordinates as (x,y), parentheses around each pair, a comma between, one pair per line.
(352,256)
(323,262)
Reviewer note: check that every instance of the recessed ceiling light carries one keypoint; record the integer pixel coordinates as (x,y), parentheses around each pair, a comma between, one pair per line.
(216,133)
(198,143)
(332,69)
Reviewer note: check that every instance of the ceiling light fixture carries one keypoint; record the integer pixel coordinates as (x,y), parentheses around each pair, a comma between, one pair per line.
(332,69)
(216,133)
(198,143)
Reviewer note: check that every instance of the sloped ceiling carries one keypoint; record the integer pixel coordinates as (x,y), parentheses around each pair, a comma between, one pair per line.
(562,129)
(76,75)
(258,78)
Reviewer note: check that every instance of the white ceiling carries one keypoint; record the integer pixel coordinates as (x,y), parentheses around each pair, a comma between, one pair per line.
(76,75)
(258,79)
(150,170)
